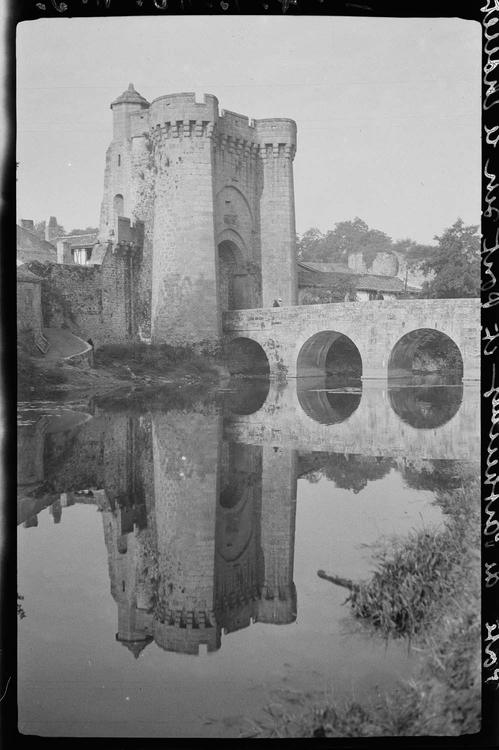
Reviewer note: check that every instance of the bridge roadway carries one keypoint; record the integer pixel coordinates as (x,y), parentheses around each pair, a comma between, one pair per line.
(375,328)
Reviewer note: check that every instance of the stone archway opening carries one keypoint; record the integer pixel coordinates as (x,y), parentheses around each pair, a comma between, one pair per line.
(118,206)
(232,279)
(245,357)
(426,352)
(329,353)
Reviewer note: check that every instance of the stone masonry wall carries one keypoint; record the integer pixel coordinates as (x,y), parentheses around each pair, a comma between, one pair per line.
(92,301)
(71,296)
(29,311)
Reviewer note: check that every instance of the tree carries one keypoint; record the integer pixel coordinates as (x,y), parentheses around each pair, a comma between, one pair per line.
(412,252)
(337,244)
(87,230)
(309,244)
(455,263)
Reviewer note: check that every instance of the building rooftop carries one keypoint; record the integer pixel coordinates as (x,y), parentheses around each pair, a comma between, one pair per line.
(130,96)
(24,275)
(312,265)
(80,240)
(309,276)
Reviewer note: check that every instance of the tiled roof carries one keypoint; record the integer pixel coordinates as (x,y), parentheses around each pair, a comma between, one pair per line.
(80,240)
(367,282)
(319,279)
(130,96)
(379,283)
(30,246)
(310,265)
(24,275)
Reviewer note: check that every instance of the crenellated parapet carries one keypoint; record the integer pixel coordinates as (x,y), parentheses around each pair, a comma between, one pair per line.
(178,129)
(277,138)
(277,606)
(184,631)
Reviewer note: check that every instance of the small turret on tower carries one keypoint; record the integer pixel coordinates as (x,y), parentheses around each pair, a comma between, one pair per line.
(52,229)
(129,101)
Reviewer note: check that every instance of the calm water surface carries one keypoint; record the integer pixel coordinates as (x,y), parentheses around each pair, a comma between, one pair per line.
(168,551)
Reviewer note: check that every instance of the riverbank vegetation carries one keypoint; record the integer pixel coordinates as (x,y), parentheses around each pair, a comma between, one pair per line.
(142,360)
(118,366)
(426,589)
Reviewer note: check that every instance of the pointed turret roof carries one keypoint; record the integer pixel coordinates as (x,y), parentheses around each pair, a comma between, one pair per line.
(130,96)
(136,647)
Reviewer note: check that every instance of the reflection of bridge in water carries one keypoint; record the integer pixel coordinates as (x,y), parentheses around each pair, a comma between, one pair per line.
(198,509)
(428,422)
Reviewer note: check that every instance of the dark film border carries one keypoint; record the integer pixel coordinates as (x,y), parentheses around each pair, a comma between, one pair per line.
(487,14)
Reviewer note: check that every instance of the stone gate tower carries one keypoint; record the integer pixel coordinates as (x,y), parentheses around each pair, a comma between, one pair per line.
(215,193)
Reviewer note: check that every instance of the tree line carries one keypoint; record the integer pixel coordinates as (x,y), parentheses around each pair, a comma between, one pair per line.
(452,264)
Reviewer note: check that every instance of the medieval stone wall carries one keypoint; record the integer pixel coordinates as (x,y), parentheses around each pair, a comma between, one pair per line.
(92,301)
(29,310)
(71,297)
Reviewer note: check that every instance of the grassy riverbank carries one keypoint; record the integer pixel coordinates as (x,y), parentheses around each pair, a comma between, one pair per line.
(137,365)
(426,588)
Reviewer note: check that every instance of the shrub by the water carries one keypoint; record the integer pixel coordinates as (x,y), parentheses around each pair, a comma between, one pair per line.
(411,578)
(416,574)
(32,375)
(426,587)
(156,358)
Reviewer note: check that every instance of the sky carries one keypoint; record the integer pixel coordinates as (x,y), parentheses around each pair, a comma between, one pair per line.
(387,110)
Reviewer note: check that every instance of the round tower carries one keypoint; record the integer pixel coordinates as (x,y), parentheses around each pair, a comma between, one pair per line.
(277,139)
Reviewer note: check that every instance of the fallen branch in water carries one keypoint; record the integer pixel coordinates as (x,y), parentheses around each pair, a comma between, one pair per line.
(345,582)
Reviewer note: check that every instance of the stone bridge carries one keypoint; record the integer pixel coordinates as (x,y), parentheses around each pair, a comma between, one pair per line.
(386,333)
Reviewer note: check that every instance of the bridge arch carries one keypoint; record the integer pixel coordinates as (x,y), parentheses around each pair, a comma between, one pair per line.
(329,353)
(245,356)
(423,351)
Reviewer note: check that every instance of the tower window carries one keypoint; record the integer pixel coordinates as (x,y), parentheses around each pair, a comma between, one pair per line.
(119,160)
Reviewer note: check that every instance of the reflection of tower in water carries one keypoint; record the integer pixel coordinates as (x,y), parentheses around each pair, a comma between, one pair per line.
(255,536)
(239,566)
(199,532)
(217,552)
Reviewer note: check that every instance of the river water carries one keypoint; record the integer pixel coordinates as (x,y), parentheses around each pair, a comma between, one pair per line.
(169,547)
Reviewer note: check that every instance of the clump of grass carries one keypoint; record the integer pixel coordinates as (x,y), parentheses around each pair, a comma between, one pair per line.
(33,376)
(426,586)
(415,575)
(411,577)
(144,359)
